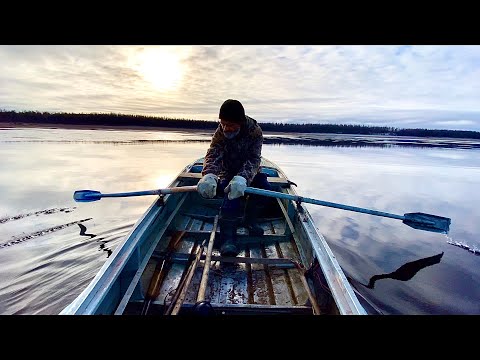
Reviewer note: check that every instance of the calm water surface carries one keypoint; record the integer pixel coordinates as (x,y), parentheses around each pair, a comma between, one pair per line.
(51,247)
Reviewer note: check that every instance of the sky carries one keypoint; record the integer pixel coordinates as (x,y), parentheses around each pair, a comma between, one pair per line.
(420,86)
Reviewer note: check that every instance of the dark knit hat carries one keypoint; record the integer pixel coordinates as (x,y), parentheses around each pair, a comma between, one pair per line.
(232,110)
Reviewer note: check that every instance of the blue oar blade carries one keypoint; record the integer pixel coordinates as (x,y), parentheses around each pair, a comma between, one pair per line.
(428,222)
(87,195)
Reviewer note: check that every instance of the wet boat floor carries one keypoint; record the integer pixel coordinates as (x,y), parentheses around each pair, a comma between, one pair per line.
(273,287)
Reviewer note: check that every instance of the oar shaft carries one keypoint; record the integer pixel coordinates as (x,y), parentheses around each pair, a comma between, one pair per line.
(256,191)
(416,220)
(189,276)
(135,193)
(206,268)
(153,192)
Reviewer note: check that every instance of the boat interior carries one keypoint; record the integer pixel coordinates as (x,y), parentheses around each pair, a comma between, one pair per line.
(275,273)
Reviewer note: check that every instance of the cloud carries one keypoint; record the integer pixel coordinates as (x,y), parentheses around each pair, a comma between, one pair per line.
(455,123)
(400,86)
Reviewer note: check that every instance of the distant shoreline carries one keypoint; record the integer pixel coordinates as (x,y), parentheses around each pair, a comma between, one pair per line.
(112,121)
(303,137)
(278,138)
(87,127)
(12,125)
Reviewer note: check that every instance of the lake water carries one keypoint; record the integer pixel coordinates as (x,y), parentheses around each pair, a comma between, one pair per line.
(51,247)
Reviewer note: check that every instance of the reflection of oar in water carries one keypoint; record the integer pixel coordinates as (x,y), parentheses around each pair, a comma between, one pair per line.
(420,221)
(406,271)
(83,230)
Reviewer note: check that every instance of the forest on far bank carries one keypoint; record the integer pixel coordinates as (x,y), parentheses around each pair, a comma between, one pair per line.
(123,120)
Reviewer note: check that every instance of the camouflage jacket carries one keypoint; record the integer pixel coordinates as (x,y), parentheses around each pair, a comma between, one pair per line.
(238,156)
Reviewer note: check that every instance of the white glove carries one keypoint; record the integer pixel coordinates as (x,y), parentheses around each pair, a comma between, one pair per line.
(207,186)
(236,187)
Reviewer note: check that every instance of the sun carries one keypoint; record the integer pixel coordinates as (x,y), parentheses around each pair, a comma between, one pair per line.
(160,66)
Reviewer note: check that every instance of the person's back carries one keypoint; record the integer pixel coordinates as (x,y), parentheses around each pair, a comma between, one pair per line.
(232,163)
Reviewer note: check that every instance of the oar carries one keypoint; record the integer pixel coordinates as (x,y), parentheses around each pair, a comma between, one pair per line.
(93,195)
(420,221)
(188,279)
(206,268)
(417,220)
(161,269)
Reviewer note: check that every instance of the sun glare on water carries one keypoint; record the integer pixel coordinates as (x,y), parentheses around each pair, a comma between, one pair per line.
(160,66)
(162,181)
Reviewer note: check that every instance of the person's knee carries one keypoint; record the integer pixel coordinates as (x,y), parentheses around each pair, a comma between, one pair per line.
(260,181)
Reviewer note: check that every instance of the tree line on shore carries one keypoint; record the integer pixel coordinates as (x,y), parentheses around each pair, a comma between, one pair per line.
(114,120)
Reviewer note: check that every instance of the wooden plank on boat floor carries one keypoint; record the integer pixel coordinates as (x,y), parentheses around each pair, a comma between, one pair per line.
(226,309)
(147,275)
(227,282)
(239,292)
(192,290)
(248,267)
(198,225)
(149,270)
(280,284)
(206,229)
(231,286)
(207,226)
(210,218)
(274,262)
(204,210)
(261,284)
(212,292)
(173,277)
(288,250)
(243,238)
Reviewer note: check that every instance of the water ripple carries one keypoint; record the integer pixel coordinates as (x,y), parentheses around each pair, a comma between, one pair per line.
(473,249)
(312,140)
(40,233)
(43,212)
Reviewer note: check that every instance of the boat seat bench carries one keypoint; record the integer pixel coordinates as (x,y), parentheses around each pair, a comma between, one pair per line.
(243,239)
(277,262)
(158,307)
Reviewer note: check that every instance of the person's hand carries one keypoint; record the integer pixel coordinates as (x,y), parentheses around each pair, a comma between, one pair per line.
(236,187)
(207,186)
